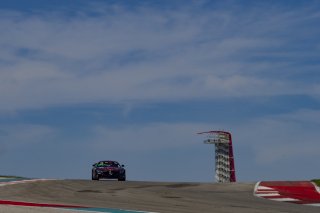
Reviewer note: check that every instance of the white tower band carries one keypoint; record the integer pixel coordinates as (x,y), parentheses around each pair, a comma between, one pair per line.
(224,160)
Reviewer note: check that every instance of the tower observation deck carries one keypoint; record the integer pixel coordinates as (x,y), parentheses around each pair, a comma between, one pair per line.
(224,159)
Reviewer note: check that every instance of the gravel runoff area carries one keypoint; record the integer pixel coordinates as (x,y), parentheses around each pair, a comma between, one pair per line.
(145,196)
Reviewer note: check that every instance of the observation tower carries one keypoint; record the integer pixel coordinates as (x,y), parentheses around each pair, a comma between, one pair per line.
(224,165)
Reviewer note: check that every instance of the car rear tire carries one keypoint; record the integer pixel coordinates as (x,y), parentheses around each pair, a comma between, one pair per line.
(122,179)
(94,176)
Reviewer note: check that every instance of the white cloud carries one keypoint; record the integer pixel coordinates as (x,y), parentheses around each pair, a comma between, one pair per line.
(285,139)
(145,55)
(288,137)
(148,137)
(272,139)
(18,135)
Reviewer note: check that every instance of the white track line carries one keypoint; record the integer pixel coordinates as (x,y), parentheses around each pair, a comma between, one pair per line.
(284,199)
(313,204)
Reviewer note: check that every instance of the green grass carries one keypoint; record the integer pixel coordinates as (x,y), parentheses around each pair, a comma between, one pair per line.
(316,181)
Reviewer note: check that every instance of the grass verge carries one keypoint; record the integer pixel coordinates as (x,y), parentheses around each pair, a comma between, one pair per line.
(316,181)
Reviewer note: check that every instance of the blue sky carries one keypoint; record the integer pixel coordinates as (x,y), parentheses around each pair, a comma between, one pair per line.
(83,81)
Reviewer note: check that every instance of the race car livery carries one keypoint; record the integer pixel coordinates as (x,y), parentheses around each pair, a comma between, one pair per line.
(108,170)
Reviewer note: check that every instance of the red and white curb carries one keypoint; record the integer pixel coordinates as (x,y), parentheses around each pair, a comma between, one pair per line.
(298,192)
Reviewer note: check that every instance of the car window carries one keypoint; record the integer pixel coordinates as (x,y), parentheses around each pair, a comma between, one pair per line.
(100,164)
(108,163)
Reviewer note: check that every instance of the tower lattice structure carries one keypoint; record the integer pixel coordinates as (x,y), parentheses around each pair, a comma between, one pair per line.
(224,159)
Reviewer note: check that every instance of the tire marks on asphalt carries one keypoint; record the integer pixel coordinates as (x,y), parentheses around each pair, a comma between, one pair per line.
(12,181)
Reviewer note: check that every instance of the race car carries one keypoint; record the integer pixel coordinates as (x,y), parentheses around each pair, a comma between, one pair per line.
(108,170)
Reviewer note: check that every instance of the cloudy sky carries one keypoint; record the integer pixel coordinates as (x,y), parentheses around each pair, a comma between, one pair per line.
(134,81)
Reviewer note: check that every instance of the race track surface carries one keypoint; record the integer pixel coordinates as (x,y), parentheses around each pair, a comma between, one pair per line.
(144,196)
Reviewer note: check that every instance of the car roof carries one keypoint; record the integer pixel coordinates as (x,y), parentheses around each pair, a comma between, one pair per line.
(109,161)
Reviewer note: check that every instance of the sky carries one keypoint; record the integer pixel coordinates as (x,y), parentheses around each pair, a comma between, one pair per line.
(135,81)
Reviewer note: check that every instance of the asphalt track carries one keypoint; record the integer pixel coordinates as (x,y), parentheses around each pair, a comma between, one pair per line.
(143,196)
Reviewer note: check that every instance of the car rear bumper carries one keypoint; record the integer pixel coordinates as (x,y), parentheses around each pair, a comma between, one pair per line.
(111,175)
